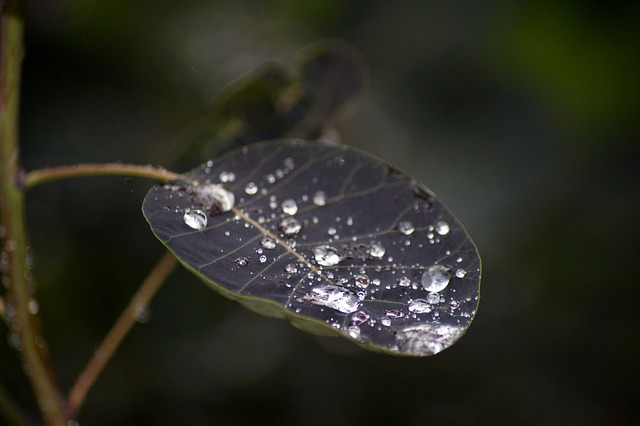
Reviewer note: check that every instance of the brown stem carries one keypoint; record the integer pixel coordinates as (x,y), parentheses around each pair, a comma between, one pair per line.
(37,177)
(23,323)
(125,322)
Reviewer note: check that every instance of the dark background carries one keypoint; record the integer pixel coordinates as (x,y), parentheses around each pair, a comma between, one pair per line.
(522,116)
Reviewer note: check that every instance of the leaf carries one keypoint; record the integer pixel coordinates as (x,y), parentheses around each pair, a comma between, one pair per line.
(328,237)
(326,85)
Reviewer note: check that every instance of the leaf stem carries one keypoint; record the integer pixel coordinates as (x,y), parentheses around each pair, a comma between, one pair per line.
(37,177)
(23,323)
(125,322)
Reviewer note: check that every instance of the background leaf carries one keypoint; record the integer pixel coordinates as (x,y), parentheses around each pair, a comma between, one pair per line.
(329,237)
(327,84)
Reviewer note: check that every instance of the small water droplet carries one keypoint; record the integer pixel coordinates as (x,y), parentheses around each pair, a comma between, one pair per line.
(433,298)
(263,258)
(460,273)
(442,227)
(359,317)
(385,321)
(289,207)
(362,281)
(334,297)
(420,306)
(353,331)
(394,313)
(436,278)
(242,261)
(454,304)
(404,282)
(377,250)
(406,227)
(268,243)
(142,313)
(332,231)
(227,177)
(34,307)
(251,188)
(291,268)
(290,226)
(320,198)
(196,219)
(326,255)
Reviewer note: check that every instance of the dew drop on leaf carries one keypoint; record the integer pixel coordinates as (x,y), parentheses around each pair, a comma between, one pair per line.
(326,255)
(291,268)
(359,318)
(460,273)
(320,198)
(289,207)
(420,306)
(353,331)
(427,339)
(377,250)
(251,188)
(406,227)
(196,219)
(362,281)
(242,261)
(433,298)
(334,297)
(290,226)
(436,278)
(268,243)
(404,282)
(442,227)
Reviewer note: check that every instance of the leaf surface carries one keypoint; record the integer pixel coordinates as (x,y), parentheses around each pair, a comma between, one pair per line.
(328,237)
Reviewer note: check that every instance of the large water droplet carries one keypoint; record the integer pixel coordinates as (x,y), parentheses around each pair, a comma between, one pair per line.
(334,297)
(290,226)
(436,278)
(326,255)
(214,198)
(377,250)
(406,227)
(268,243)
(427,339)
(442,227)
(289,207)
(251,188)
(320,198)
(196,219)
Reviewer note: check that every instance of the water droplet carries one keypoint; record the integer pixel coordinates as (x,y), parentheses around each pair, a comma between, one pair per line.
(291,268)
(242,261)
(289,207)
(227,176)
(436,278)
(359,317)
(394,313)
(263,258)
(406,227)
(404,282)
(353,331)
(320,198)
(290,226)
(433,298)
(377,250)
(362,281)
(334,297)
(214,198)
(420,306)
(427,339)
(326,255)
(385,321)
(268,243)
(271,178)
(442,227)
(251,188)
(142,313)
(196,219)
(332,231)
(454,304)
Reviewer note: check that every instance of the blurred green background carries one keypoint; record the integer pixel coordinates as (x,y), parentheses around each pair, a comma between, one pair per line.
(522,116)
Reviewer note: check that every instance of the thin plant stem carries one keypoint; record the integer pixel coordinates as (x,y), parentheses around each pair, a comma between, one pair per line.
(37,177)
(23,323)
(132,313)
